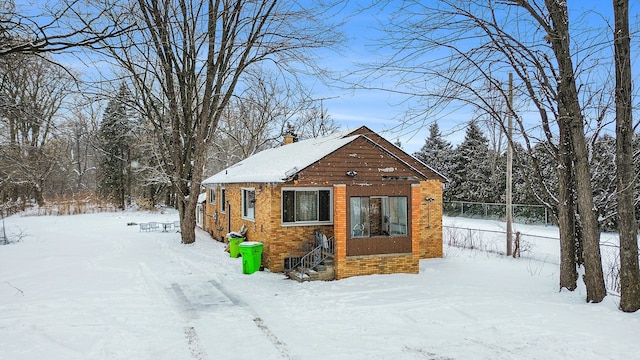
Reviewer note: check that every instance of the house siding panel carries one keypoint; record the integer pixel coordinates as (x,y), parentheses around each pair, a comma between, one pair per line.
(430,229)
(399,153)
(367,160)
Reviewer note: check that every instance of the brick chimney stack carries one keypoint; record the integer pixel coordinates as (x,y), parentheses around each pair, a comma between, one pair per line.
(288,139)
(290,136)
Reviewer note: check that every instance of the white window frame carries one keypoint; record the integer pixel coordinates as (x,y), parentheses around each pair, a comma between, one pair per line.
(306,223)
(223,199)
(199,214)
(212,195)
(362,230)
(245,215)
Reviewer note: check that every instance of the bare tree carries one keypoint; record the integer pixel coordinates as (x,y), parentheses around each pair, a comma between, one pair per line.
(257,118)
(32,93)
(627,225)
(475,45)
(65,25)
(314,121)
(188,58)
(253,120)
(570,112)
(79,132)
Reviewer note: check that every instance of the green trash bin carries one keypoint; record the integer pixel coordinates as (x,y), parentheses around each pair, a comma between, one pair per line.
(234,249)
(251,256)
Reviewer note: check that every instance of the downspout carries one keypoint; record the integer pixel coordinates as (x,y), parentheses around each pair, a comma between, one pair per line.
(228,217)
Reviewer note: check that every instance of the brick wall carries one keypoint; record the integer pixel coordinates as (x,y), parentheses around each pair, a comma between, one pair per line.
(377,264)
(371,264)
(217,228)
(430,230)
(279,241)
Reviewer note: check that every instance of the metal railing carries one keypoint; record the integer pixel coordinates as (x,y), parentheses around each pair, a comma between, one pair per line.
(310,254)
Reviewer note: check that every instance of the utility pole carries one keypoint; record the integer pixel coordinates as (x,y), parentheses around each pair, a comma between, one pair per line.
(509,205)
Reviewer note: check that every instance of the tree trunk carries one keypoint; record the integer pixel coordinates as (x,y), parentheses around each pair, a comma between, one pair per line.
(37,193)
(187,207)
(566,215)
(627,226)
(571,115)
(593,276)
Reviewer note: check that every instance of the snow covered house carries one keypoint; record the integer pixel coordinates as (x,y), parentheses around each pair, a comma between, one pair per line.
(352,197)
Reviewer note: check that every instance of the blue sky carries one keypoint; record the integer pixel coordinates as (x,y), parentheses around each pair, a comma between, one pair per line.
(383,112)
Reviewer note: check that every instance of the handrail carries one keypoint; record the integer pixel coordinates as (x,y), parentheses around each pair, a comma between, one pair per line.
(324,247)
(295,256)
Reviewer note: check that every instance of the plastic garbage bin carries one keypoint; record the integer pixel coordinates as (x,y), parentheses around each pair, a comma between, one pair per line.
(234,250)
(251,256)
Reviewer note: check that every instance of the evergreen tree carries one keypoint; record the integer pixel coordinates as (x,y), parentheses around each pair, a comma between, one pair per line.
(522,194)
(470,174)
(436,151)
(603,178)
(115,136)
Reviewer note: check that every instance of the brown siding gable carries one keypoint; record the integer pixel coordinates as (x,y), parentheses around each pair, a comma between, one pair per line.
(386,144)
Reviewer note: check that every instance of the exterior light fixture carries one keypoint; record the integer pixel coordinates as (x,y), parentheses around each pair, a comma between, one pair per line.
(352,173)
(429,200)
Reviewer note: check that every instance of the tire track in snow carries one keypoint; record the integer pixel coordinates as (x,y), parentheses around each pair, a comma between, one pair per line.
(193,340)
(279,345)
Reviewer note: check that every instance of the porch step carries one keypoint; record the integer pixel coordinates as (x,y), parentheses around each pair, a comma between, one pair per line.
(319,273)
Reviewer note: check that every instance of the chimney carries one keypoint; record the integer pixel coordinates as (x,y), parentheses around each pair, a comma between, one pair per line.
(290,136)
(288,139)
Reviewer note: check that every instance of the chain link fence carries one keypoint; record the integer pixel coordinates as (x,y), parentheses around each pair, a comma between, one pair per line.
(525,214)
(540,248)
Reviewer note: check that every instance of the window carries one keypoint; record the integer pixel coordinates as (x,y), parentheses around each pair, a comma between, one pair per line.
(379,216)
(249,204)
(306,206)
(223,200)
(212,196)
(199,215)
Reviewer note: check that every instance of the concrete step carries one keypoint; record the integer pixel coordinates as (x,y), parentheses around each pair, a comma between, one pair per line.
(324,272)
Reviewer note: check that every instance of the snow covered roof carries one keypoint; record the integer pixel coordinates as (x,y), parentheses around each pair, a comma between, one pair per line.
(202,198)
(277,164)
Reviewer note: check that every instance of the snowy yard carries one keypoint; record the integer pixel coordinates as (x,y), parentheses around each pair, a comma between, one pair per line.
(91,287)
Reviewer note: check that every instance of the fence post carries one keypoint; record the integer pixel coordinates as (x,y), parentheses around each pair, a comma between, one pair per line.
(546,216)
(517,245)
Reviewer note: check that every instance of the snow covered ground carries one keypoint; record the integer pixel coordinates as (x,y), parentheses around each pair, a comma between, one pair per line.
(91,287)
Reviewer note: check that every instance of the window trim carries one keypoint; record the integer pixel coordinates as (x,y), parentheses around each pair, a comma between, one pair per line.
(387,199)
(212,195)
(223,198)
(246,216)
(306,223)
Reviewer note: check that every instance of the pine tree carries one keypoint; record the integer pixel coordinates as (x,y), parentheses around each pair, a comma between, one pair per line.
(470,173)
(116,145)
(603,178)
(436,151)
